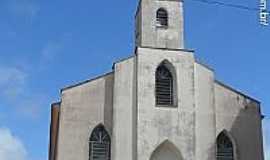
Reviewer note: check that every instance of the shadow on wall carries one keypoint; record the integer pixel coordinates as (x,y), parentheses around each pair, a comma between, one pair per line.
(246,134)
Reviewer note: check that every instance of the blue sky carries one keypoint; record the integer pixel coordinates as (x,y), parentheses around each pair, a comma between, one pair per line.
(46,45)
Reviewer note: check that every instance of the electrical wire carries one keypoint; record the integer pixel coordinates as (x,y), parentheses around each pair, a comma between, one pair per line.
(212,2)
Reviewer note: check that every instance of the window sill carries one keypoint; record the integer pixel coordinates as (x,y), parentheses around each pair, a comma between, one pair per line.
(161,27)
(166,106)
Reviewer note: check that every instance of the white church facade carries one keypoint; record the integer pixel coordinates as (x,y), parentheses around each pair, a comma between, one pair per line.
(158,104)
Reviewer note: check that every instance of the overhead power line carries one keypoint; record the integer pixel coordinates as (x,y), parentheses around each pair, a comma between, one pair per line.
(238,6)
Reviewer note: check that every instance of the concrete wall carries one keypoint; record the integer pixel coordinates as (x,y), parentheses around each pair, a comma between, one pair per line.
(82,108)
(124,110)
(241,117)
(152,36)
(205,113)
(158,124)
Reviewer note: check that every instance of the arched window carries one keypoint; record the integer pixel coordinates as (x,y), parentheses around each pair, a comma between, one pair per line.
(162,18)
(99,144)
(224,147)
(164,88)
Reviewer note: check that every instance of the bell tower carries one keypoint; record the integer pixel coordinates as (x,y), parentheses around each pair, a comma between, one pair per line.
(159,24)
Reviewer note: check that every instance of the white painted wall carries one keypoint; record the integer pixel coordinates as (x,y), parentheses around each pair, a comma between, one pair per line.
(82,108)
(205,113)
(152,36)
(124,110)
(157,124)
(124,101)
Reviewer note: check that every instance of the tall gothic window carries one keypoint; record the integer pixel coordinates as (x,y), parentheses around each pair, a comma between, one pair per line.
(162,18)
(164,86)
(99,144)
(224,147)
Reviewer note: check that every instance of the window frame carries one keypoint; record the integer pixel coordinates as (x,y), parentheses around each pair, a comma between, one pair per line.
(232,143)
(174,98)
(95,140)
(162,18)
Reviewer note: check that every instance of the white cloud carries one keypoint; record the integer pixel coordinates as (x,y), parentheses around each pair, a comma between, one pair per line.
(12,81)
(11,148)
(266,129)
(14,89)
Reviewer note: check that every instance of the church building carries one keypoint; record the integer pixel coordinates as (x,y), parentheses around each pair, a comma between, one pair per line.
(158,104)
